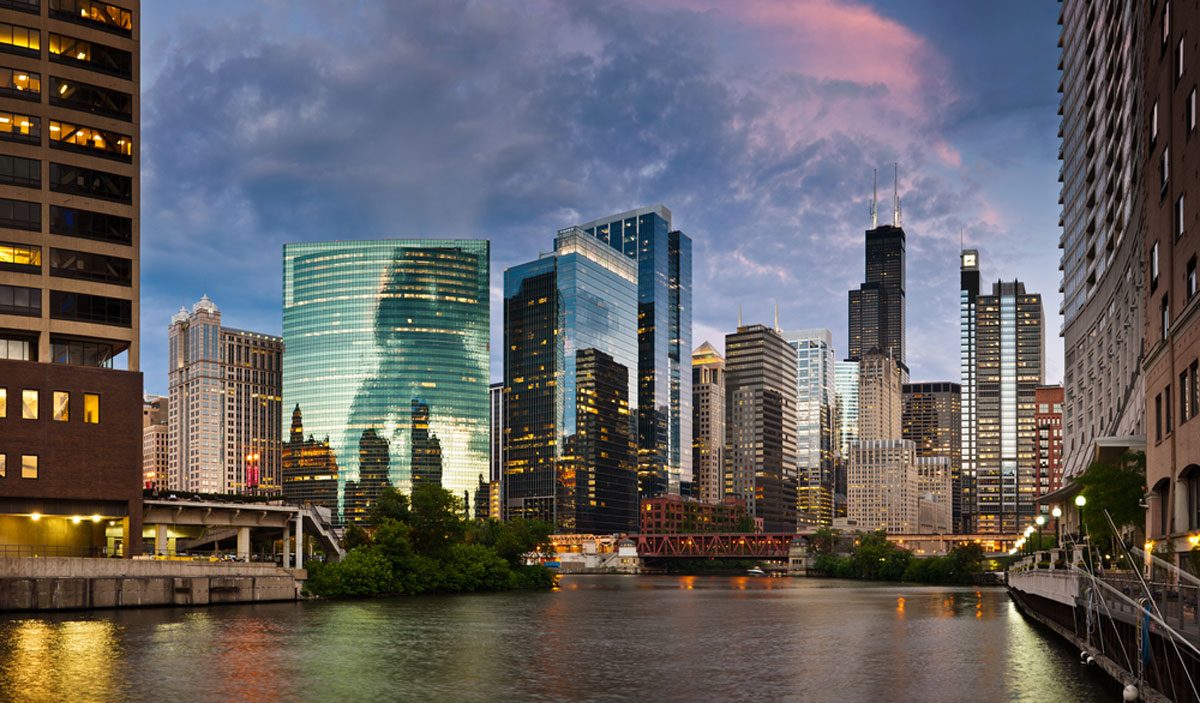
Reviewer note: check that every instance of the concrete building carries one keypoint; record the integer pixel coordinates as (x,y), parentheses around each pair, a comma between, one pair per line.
(678,515)
(935,495)
(708,423)
(882,486)
(70,387)
(880,400)
(815,416)
(1171,199)
(760,425)
(155,442)
(1049,420)
(1103,225)
(968,299)
(933,423)
(225,390)
(1010,357)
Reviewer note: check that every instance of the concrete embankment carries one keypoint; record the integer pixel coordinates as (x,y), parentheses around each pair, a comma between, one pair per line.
(66,583)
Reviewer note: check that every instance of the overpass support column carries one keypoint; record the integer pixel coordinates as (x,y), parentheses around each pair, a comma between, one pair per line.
(287,540)
(243,544)
(160,540)
(300,541)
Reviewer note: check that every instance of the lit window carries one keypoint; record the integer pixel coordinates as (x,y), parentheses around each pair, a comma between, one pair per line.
(17,127)
(3,461)
(23,40)
(22,84)
(91,139)
(62,401)
(29,466)
(20,255)
(91,408)
(29,405)
(3,402)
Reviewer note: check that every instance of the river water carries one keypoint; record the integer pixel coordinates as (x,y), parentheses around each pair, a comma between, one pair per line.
(597,638)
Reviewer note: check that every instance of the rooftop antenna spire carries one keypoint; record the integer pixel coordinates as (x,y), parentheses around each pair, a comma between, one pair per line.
(896,195)
(776,315)
(874,198)
(739,315)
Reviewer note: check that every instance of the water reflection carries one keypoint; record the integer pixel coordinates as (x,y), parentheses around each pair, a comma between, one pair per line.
(71,660)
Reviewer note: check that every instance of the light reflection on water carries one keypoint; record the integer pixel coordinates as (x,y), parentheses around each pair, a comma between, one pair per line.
(604,638)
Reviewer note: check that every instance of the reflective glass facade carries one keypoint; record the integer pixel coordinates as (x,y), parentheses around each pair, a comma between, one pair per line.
(814,414)
(386,341)
(967,297)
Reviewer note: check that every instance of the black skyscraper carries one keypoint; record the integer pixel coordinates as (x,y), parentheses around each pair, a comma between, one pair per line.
(606,480)
(877,306)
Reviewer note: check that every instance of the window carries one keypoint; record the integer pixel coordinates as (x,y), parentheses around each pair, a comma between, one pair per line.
(29,404)
(90,308)
(100,15)
(20,84)
(3,461)
(91,408)
(91,98)
(1179,60)
(3,402)
(1184,398)
(1154,266)
(19,214)
(18,348)
(1190,279)
(19,300)
(16,39)
(29,466)
(90,183)
(80,353)
(97,57)
(15,127)
(1164,167)
(1166,25)
(1158,425)
(25,258)
(30,6)
(85,224)
(1165,312)
(1193,500)
(1154,124)
(1168,409)
(20,172)
(92,267)
(1179,217)
(62,402)
(90,140)
(1193,378)
(1191,111)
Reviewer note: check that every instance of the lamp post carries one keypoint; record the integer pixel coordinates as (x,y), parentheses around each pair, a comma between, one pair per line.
(1056,513)
(1080,501)
(1040,520)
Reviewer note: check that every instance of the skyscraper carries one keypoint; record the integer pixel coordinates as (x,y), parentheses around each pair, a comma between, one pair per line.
(845,385)
(967,301)
(933,423)
(1050,438)
(877,307)
(882,486)
(1010,355)
(815,410)
(604,450)
(1102,220)
(155,442)
(664,310)
(760,425)
(372,325)
(580,297)
(495,474)
(880,398)
(70,389)
(708,423)
(225,420)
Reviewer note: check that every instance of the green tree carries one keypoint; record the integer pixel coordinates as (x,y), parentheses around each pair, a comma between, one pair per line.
(824,541)
(392,505)
(1118,488)
(436,519)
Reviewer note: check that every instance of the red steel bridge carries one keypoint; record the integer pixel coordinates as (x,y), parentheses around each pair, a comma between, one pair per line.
(773,545)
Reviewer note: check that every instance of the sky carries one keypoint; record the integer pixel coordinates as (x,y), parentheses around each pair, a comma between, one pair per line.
(758,123)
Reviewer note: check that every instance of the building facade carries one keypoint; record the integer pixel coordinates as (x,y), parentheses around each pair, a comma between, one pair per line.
(372,327)
(1010,357)
(968,299)
(880,398)
(877,307)
(935,494)
(664,313)
(155,442)
(69,275)
(580,297)
(604,448)
(708,423)
(1049,420)
(667,515)
(882,485)
(760,425)
(845,385)
(933,423)
(310,470)
(1102,222)
(815,414)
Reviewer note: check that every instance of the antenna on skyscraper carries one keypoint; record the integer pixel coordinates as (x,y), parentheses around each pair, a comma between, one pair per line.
(896,195)
(874,198)
(739,315)
(776,315)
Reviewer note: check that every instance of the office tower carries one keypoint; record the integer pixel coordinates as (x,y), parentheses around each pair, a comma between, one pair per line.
(708,423)
(877,307)
(880,400)
(760,425)
(845,386)
(1010,355)
(70,388)
(935,495)
(1101,104)
(605,452)
(815,410)
(882,486)
(1171,198)
(155,442)
(225,420)
(1048,418)
(310,471)
(968,298)
(933,422)
(370,326)
(374,457)
(664,313)
(580,297)
(496,432)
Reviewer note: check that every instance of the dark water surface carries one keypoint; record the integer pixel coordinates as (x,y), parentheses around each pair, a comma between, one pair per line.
(599,638)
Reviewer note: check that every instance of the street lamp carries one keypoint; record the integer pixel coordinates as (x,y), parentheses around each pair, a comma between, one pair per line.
(1040,520)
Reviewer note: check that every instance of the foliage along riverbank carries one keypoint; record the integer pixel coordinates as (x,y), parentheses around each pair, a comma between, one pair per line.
(423,545)
(873,558)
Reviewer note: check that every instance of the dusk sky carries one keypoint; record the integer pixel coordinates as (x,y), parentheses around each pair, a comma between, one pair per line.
(757,123)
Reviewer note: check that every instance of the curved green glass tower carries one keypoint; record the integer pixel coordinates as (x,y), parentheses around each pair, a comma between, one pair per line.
(388,340)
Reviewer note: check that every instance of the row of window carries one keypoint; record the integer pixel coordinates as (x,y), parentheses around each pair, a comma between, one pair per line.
(67,221)
(89,13)
(67,263)
(76,180)
(76,95)
(17,127)
(29,466)
(94,56)
(1189,402)
(70,352)
(61,406)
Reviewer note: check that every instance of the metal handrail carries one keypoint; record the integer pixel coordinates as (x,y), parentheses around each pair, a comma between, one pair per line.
(13,551)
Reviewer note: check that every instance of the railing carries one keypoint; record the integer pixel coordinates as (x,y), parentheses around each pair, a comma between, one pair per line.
(1177,602)
(12,551)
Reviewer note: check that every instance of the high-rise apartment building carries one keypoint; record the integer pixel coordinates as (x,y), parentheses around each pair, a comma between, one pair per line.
(70,390)
(967,301)
(1102,218)
(933,423)
(1010,353)
(708,423)
(580,297)
(664,314)
(1171,200)
(1048,417)
(815,417)
(877,307)
(155,442)
(760,425)
(373,328)
(882,485)
(224,419)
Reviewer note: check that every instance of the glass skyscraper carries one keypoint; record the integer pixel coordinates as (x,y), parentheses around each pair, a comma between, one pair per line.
(570,344)
(814,421)
(386,355)
(664,316)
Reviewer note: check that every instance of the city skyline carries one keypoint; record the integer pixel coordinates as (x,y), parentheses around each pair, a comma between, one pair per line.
(795,218)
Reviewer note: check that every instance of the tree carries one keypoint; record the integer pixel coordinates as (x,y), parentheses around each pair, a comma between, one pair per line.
(824,540)
(392,505)
(435,518)
(1118,488)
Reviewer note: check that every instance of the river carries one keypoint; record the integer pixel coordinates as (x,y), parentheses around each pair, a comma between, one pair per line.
(597,638)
